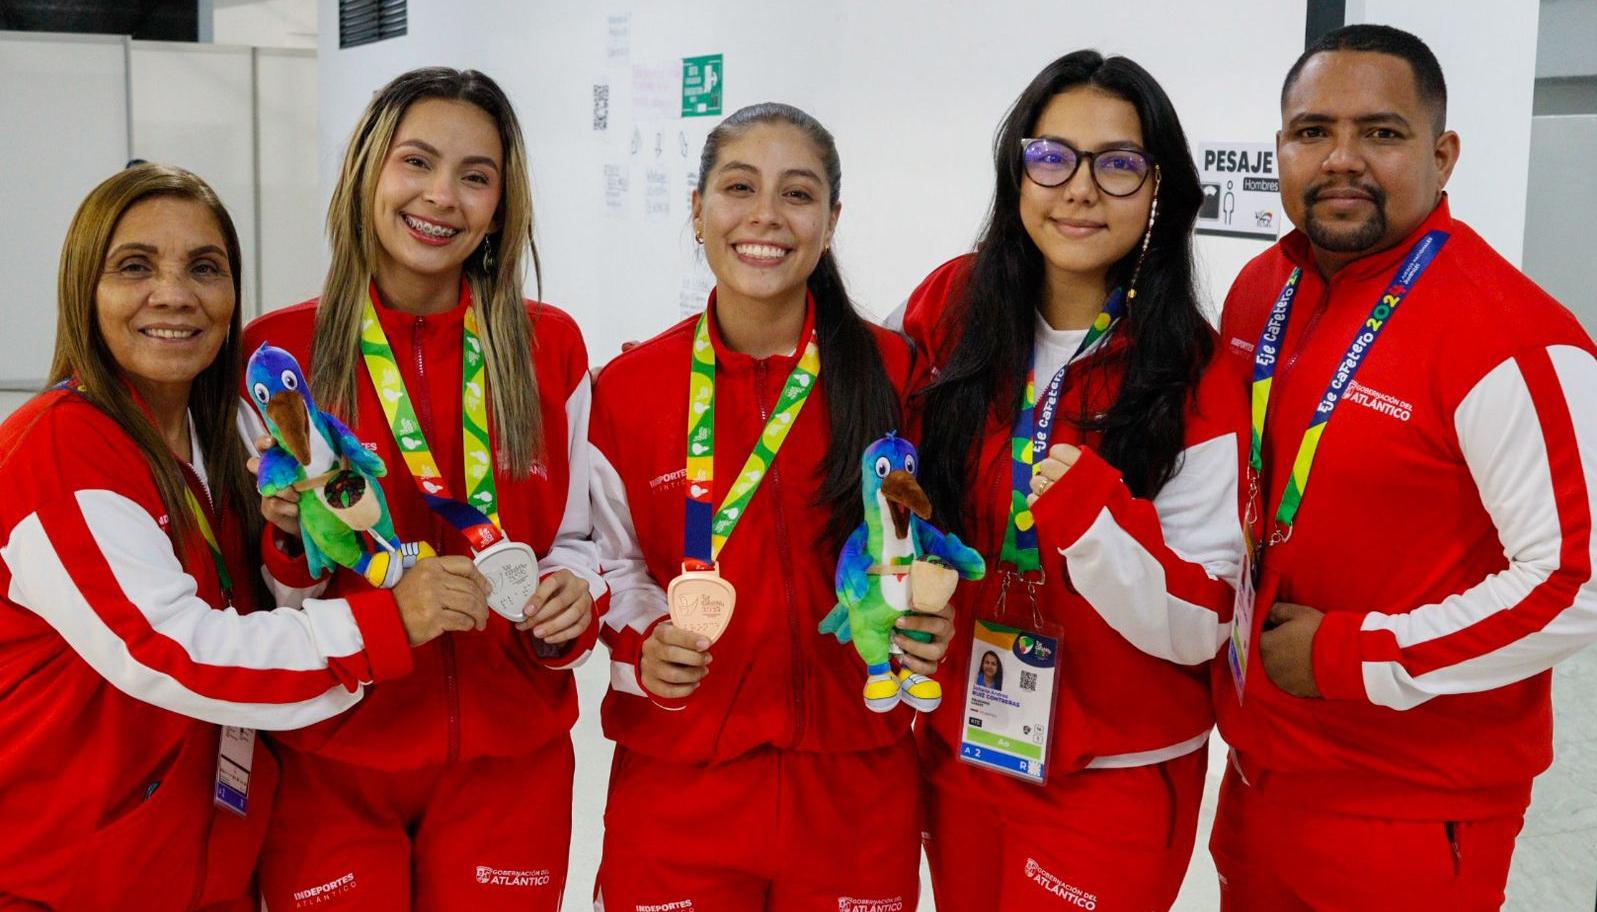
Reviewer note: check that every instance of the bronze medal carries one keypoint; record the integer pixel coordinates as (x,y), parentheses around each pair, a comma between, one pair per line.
(701,602)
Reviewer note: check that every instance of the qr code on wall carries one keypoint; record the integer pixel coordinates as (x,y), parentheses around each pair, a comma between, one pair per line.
(1028,681)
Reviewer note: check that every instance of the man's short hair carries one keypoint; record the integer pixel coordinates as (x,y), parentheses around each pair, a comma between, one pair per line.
(1384,39)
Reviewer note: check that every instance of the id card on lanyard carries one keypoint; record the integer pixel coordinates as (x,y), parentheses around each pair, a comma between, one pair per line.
(1011,685)
(510,566)
(236,751)
(1008,728)
(1266,355)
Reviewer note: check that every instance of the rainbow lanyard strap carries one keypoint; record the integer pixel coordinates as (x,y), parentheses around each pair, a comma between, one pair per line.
(477,518)
(202,520)
(704,532)
(1267,353)
(1031,434)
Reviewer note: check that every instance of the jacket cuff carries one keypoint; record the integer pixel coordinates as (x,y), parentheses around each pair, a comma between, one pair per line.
(662,702)
(1070,506)
(1338,666)
(387,645)
(284,559)
(573,652)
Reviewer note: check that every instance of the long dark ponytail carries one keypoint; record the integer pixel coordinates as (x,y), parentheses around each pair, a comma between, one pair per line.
(859,396)
(994,316)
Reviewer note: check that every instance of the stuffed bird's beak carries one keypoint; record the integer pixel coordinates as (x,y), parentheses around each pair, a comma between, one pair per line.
(904,495)
(287,411)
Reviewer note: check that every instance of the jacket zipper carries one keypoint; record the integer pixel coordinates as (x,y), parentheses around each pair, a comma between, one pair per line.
(785,551)
(447,641)
(1308,329)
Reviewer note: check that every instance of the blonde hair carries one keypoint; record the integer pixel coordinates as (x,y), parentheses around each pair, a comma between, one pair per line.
(81,352)
(496,282)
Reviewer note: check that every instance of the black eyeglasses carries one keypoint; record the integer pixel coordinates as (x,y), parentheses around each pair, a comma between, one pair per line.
(1117,172)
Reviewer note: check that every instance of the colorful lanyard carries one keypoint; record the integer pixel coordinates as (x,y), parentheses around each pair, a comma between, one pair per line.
(202,519)
(190,481)
(704,535)
(1029,439)
(477,518)
(1267,354)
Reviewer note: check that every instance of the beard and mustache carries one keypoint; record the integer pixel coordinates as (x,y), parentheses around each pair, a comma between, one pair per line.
(1342,237)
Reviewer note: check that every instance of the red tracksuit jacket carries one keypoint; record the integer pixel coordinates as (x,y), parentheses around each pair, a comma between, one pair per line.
(115,671)
(473,694)
(1445,531)
(1142,589)
(775,680)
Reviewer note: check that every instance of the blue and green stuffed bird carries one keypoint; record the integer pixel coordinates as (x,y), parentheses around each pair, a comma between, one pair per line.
(317,455)
(874,572)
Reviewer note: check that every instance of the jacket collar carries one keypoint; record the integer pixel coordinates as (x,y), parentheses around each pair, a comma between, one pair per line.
(398,320)
(1377,265)
(726,357)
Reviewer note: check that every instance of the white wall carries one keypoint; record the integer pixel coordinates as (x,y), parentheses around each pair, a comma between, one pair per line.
(78,106)
(191,108)
(1489,59)
(912,91)
(293,251)
(1562,199)
(263,23)
(71,92)
(1568,39)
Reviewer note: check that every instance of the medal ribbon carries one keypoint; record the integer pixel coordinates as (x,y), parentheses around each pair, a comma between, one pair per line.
(704,533)
(1267,353)
(1029,439)
(477,517)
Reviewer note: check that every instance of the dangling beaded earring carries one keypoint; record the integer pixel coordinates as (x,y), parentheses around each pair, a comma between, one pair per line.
(487,254)
(1153,212)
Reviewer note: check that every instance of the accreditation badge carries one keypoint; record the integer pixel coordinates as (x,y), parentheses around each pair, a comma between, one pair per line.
(701,602)
(512,569)
(1242,625)
(234,756)
(1009,699)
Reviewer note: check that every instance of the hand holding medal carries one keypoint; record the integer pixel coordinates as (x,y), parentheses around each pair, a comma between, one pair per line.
(561,608)
(699,599)
(510,566)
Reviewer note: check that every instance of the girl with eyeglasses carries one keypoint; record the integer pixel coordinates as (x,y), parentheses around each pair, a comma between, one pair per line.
(450,789)
(1091,451)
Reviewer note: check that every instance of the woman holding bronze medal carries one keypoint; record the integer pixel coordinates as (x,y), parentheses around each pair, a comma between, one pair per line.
(1089,448)
(477,401)
(726,477)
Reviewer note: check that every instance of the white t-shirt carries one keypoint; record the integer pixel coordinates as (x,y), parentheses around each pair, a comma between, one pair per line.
(1053,348)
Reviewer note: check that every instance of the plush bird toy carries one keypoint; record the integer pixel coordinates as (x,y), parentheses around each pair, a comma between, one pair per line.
(895,559)
(319,457)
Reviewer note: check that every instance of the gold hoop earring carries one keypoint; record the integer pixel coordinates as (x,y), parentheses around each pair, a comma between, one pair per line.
(487,254)
(1147,235)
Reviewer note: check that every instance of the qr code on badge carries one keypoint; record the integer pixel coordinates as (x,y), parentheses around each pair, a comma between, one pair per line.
(601,107)
(1028,680)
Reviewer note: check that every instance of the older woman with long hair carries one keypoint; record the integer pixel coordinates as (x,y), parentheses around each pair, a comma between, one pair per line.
(132,670)
(450,789)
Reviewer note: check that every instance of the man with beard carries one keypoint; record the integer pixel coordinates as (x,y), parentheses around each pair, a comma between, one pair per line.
(1387,694)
